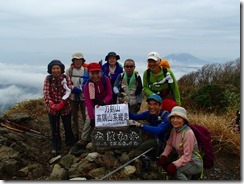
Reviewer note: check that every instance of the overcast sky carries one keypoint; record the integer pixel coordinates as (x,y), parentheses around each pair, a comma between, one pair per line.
(36,31)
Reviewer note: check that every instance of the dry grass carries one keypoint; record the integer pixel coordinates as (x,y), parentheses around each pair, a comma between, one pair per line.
(220,127)
(34,108)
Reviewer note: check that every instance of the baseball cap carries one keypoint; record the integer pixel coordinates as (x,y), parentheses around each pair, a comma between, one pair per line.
(94,67)
(155,97)
(154,56)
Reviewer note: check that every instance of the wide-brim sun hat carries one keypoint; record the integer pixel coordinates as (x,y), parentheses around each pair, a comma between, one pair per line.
(55,62)
(78,55)
(155,97)
(94,67)
(112,54)
(154,56)
(178,111)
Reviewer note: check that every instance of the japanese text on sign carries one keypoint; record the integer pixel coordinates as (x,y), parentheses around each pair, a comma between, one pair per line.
(111,115)
(116,138)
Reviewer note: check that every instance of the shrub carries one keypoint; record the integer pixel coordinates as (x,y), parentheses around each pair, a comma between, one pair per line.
(210,98)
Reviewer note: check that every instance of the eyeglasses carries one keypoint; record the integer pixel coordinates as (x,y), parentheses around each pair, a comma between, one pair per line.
(129,66)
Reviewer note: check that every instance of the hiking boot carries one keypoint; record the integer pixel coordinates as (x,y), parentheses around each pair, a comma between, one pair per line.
(81,144)
(145,160)
(76,151)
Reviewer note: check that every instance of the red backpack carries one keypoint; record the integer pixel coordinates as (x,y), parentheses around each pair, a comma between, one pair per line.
(203,137)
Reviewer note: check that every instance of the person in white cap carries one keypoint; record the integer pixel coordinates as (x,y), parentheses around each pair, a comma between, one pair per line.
(76,72)
(160,80)
(188,163)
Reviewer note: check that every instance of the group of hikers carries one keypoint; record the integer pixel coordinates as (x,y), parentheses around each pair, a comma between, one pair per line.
(84,87)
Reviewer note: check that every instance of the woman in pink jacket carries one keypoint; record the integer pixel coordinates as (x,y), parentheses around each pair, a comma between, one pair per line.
(184,141)
(97,90)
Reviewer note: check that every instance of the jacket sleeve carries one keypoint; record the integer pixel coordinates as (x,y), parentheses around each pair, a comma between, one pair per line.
(168,148)
(69,82)
(108,91)
(141,116)
(174,88)
(161,128)
(89,103)
(46,90)
(116,84)
(146,88)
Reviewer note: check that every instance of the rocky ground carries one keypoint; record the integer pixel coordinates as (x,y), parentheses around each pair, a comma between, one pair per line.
(24,157)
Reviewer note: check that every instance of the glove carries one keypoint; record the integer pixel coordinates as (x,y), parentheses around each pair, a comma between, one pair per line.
(162,160)
(52,105)
(138,107)
(101,103)
(60,106)
(92,122)
(77,90)
(171,169)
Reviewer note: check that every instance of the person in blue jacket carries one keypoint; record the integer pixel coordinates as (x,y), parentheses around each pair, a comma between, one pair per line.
(112,69)
(156,129)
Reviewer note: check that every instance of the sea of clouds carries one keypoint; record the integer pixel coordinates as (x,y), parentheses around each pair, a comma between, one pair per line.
(22,82)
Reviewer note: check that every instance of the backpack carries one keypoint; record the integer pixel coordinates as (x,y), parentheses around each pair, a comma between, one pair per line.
(203,137)
(138,88)
(168,90)
(164,63)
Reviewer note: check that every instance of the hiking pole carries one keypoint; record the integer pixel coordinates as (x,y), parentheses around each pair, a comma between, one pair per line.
(22,131)
(23,127)
(127,163)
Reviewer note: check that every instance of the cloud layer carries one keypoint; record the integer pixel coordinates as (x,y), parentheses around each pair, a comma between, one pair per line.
(37,31)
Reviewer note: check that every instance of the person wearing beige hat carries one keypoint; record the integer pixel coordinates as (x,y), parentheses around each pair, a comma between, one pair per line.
(76,72)
(160,80)
(188,162)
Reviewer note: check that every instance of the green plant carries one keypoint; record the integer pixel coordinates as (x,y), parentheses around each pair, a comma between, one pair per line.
(210,98)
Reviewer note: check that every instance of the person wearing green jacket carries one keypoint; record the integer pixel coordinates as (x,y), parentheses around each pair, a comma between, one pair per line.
(160,80)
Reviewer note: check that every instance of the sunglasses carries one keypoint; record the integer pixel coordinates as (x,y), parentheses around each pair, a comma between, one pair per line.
(127,66)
